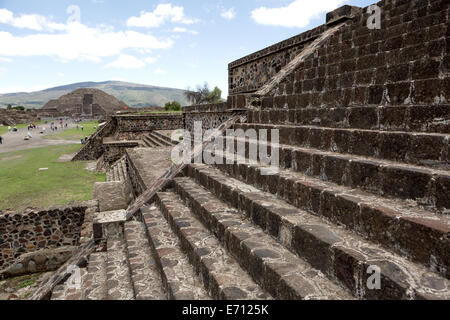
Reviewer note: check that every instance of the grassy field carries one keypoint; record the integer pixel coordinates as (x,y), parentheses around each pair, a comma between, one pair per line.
(74,134)
(23,185)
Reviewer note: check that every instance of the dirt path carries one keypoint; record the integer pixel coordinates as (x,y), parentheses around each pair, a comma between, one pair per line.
(13,141)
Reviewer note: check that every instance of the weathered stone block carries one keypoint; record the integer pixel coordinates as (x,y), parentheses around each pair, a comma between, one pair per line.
(111,196)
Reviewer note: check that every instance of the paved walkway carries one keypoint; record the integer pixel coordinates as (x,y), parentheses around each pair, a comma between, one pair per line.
(14,141)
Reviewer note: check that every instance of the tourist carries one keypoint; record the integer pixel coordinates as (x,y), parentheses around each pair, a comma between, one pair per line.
(78,127)
(1,140)
(82,141)
(82,128)
(9,128)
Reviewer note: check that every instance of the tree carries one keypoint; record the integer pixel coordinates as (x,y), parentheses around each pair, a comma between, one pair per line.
(173,106)
(215,96)
(203,95)
(9,107)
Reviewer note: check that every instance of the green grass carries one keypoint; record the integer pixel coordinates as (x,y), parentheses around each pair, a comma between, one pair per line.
(27,283)
(74,134)
(23,185)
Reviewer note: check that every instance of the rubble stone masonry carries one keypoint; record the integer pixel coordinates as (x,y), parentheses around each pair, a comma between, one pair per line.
(38,229)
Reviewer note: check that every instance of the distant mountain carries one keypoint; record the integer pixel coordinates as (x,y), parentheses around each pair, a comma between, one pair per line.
(134,95)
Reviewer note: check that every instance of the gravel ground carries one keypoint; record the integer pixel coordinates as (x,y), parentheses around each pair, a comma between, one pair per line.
(13,141)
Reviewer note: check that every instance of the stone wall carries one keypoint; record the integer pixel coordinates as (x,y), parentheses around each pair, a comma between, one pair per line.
(34,230)
(214,107)
(148,122)
(211,115)
(48,113)
(12,117)
(94,148)
(137,183)
(113,151)
(249,73)
(406,62)
(130,135)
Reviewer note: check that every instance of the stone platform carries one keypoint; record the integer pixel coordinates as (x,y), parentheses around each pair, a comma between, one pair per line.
(146,165)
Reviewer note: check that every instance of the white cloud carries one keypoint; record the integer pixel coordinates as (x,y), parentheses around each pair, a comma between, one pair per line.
(3,71)
(228,14)
(126,62)
(60,74)
(5,59)
(184,30)
(297,14)
(6,16)
(79,42)
(150,60)
(163,13)
(29,21)
(13,89)
(160,71)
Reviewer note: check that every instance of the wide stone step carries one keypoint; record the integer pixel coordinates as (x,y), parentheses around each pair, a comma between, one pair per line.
(428,149)
(116,173)
(149,143)
(420,235)
(109,177)
(160,140)
(222,276)
(418,118)
(120,171)
(146,280)
(94,285)
(428,187)
(340,254)
(72,290)
(179,278)
(277,270)
(155,142)
(163,137)
(123,164)
(118,279)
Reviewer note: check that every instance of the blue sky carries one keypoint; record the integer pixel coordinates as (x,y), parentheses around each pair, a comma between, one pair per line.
(171,43)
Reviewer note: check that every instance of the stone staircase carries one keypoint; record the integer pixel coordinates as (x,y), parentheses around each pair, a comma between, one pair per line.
(156,139)
(148,261)
(337,207)
(118,171)
(344,200)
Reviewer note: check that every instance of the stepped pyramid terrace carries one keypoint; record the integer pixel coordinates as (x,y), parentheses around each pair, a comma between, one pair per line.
(348,198)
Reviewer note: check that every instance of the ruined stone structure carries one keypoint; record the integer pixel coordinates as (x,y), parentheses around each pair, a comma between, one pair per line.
(363,184)
(13,117)
(128,131)
(89,103)
(34,230)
